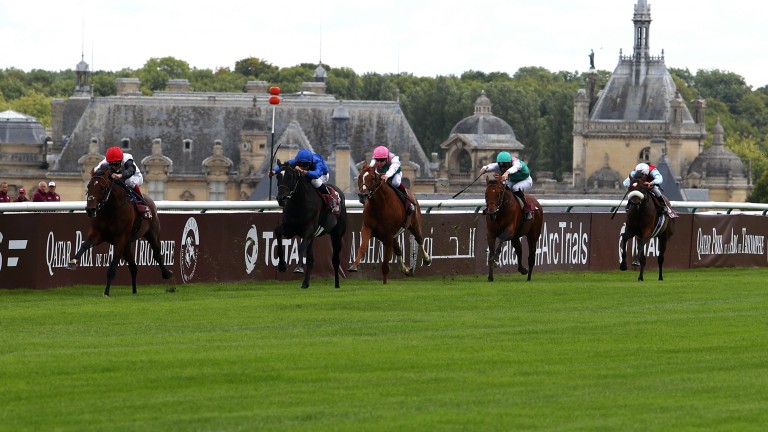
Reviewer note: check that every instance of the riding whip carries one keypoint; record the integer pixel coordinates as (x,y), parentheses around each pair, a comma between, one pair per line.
(468,186)
(617,207)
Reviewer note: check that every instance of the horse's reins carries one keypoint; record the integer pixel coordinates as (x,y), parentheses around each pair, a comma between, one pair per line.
(295,185)
(104,200)
(369,194)
(500,202)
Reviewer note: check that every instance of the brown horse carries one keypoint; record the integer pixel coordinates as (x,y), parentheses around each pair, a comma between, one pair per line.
(116,220)
(504,220)
(385,218)
(644,222)
(306,215)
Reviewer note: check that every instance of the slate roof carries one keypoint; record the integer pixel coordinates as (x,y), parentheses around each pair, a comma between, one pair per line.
(17,128)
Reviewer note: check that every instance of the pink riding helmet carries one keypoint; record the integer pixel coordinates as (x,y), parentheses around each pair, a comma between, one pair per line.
(381,152)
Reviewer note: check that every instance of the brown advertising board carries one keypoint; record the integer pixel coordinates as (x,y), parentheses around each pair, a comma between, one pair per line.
(606,233)
(35,248)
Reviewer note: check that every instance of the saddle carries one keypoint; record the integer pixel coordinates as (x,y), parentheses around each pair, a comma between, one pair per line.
(656,202)
(408,203)
(141,205)
(331,199)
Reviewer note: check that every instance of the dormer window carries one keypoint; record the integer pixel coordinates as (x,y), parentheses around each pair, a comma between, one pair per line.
(187,145)
(125,143)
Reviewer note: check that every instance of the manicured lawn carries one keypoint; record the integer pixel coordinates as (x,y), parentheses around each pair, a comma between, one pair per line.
(571,351)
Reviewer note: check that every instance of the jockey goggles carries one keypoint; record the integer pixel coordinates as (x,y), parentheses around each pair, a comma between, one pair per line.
(303,164)
(115,163)
(380,159)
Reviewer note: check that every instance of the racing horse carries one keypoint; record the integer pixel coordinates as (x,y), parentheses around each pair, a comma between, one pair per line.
(644,222)
(504,221)
(385,218)
(116,220)
(306,215)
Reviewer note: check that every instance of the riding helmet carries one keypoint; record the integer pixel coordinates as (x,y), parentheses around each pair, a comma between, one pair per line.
(114,154)
(381,152)
(304,155)
(642,168)
(504,157)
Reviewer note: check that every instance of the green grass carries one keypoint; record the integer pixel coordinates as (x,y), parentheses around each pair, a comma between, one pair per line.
(568,351)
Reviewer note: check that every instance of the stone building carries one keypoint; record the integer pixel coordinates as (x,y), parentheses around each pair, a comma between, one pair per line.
(215,146)
(24,147)
(474,142)
(638,117)
(719,171)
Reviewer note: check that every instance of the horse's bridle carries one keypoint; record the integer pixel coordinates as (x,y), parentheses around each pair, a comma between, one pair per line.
(377,184)
(637,192)
(500,201)
(295,183)
(105,197)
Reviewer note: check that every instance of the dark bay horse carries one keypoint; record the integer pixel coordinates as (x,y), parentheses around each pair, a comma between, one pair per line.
(306,215)
(644,222)
(385,218)
(116,220)
(504,221)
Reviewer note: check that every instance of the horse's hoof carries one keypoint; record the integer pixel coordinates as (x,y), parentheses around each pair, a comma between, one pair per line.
(304,286)
(352,269)
(490,278)
(72,265)
(523,270)
(623,266)
(427,262)
(167,274)
(299,269)
(281,267)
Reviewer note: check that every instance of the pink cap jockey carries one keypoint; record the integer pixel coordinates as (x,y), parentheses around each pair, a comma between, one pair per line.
(381,152)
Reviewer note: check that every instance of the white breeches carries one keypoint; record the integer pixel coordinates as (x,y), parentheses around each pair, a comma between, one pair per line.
(319,181)
(523,185)
(135,180)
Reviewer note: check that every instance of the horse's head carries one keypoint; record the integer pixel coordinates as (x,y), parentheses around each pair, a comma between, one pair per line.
(637,192)
(367,182)
(97,193)
(287,183)
(494,196)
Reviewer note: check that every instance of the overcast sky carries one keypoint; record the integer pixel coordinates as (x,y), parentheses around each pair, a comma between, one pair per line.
(421,37)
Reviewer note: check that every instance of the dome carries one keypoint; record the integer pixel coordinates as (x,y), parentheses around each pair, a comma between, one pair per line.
(17,128)
(482,122)
(718,161)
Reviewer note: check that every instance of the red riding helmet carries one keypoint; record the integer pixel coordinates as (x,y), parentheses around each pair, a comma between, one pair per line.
(114,154)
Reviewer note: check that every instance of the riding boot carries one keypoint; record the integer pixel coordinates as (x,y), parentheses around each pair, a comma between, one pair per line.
(138,192)
(409,207)
(526,205)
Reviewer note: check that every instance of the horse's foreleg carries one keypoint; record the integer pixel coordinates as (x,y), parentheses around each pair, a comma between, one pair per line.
(623,252)
(416,231)
(111,271)
(281,266)
(641,251)
(365,237)
(87,244)
(515,242)
(491,255)
(398,251)
(385,260)
(335,258)
(310,261)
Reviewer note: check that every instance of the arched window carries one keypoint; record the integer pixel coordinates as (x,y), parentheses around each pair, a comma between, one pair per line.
(465,162)
(644,155)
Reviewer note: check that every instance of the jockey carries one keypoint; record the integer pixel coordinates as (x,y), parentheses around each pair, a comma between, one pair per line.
(387,164)
(516,175)
(648,171)
(313,166)
(122,167)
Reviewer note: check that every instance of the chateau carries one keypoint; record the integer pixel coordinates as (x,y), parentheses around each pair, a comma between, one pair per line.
(217,146)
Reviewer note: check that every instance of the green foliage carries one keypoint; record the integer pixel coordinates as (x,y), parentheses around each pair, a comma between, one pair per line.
(536,102)
(255,68)
(36,105)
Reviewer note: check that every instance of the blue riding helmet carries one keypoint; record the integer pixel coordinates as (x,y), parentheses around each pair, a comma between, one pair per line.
(304,155)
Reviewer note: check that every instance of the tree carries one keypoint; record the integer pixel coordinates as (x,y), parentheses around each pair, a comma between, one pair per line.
(156,72)
(36,105)
(256,68)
